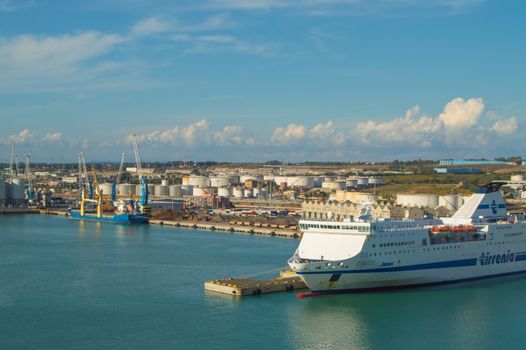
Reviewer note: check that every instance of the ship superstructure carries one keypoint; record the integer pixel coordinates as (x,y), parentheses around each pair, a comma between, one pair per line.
(479,240)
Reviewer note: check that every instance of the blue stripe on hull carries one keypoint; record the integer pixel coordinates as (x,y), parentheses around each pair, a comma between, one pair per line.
(434,265)
(115,219)
(418,285)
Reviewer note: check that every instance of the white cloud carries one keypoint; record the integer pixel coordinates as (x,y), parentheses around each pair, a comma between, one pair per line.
(291,134)
(231,134)
(24,136)
(52,137)
(505,127)
(461,114)
(152,25)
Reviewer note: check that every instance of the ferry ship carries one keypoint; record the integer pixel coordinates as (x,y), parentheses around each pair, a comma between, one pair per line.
(479,240)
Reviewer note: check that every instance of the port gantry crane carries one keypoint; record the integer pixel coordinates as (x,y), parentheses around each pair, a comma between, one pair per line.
(30,191)
(84,182)
(118,181)
(143,179)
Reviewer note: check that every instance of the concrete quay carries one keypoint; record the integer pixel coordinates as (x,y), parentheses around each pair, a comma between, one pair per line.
(18,211)
(247,286)
(230,228)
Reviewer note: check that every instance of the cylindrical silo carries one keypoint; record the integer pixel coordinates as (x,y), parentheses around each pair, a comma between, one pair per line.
(238,192)
(249,192)
(162,191)
(128,189)
(363,181)
(223,192)
(200,181)
(106,188)
(164,182)
(187,190)
(18,190)
(176,191)
(219,181)
(420,200)
(448,201)
(255,192)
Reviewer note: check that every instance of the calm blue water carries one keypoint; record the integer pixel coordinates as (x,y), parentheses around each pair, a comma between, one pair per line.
(72,285)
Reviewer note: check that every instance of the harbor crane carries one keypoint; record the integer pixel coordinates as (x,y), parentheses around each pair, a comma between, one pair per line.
(118,180)
(84,182)
(143,179)
(30,190)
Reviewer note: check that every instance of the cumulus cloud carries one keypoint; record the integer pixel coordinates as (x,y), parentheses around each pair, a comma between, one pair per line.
(290,134)
(505,127)
(197,134)
(52,137)
(461,114)
(24,136)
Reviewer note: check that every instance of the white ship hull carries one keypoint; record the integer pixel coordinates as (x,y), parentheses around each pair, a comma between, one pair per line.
(351,256)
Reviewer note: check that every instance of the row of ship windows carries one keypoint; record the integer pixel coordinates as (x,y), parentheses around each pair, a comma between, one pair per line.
(393,244)
(335,227)
(395,235)
(446,247)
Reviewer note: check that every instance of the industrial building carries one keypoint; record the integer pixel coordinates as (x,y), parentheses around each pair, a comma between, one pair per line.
(472,162)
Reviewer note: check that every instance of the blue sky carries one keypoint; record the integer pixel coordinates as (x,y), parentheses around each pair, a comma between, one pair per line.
(239,80)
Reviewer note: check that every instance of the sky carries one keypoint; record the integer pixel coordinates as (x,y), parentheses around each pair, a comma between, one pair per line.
(258,80)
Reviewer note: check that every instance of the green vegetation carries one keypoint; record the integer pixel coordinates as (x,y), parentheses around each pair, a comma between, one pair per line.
(440,184)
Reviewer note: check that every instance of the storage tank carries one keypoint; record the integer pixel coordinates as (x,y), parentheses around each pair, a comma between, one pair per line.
(333,185)
(318,180)
(244,178)
(196,180)
(255,192)
(162,191)
(448,201)
(198,191)
(280,180)
(249,192)
(353,183)
(187,190)
(420,200)
(176,191)
(238,192)
(164,182)
(233,179)
(300,181)
(127,190)
(106,188)
(517,178)
(223,192)
(219,181)
(363,181)
(263,192)
(375,180)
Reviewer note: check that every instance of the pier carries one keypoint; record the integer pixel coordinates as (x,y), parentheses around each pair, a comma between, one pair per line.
(246,286)
(230,228)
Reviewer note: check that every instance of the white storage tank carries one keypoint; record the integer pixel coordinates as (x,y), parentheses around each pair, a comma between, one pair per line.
(164,182)
(162,191)
(238,192)
(223,192)
(318,180)
(300,181)
(280,180)
(127,189)
(333,185)
(517,178)
(255,192)
(187,190)
(198,191)
(106,188)
(353,183)
(196,180)
(363,181)
(419,200)
(375,180)
(249,192)
(233,179)
(176,191)
(219,181)
(448,201)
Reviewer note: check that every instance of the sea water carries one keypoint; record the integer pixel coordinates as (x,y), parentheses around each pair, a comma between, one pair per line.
(67,284)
